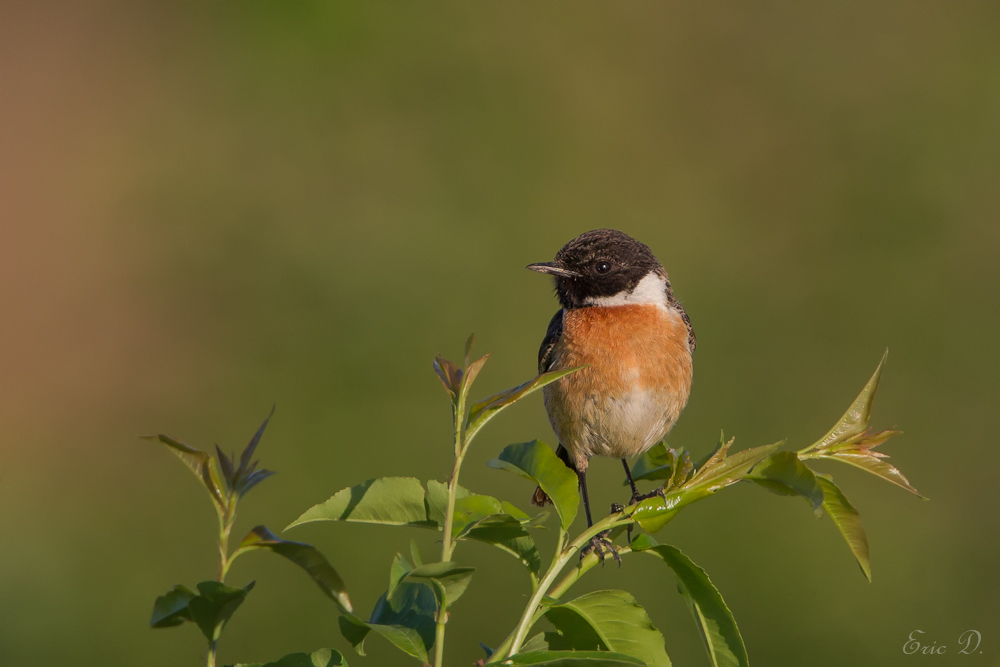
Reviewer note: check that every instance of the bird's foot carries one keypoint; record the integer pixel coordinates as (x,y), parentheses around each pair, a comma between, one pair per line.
(602,546)
(636,497)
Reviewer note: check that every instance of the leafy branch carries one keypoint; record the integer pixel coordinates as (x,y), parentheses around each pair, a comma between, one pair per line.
(448,507)
(215,603)
(601,628)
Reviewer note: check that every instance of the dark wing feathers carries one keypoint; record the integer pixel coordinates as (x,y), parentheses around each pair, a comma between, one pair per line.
(549,342)
(544,365)
(674,303)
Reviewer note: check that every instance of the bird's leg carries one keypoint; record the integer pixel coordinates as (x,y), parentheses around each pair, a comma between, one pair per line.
(598,543)
(582,478)
(628,474)
(636,496)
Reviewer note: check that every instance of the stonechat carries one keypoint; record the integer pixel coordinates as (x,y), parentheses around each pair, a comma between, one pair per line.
(620,320)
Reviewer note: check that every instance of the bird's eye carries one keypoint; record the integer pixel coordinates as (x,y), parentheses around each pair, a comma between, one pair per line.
(602,267)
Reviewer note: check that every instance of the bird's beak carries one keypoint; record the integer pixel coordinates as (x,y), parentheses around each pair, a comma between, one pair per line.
(553,268)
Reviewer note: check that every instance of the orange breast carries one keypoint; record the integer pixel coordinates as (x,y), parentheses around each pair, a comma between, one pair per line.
(636,384)
(640,346)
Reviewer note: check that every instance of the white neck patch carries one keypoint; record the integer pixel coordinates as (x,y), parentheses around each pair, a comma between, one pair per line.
(651,290)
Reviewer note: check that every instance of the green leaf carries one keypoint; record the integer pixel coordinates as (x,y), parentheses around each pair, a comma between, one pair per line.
(508,533)
(855,420)
(405,639)
(485,410)
(718,471)
(469,507)
(610,621)
(247,454)
(215,605)
(253,479)
(539,642)
(721,470)
(404,615)
(488,520)
(848,522)
(305,556)
(715,621)
(324,657)
(354,631)
(199,462)
(447,580)
(655,463)
(242,477)
(654,513)
(437,500)
(520,515)
(450,374)
(873,462)
(471,373)
(415,554)
(573,659)
(226,463)
(172,609)
(393,501)
(400,568)
(406,618)
(456,381)
(537,462)
(661,462)
(469,342)
(783,473)
(472,508)
(850,441)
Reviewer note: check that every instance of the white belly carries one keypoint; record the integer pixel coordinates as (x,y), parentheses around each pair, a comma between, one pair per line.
(619,427)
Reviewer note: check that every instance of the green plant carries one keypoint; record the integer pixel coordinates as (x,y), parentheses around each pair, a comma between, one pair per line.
(603,628)
(227,481)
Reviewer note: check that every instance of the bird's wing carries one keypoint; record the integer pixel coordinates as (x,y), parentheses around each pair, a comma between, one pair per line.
(692,339)
(549,342)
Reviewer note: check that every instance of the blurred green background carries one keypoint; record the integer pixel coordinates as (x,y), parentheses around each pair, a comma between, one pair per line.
(207,209)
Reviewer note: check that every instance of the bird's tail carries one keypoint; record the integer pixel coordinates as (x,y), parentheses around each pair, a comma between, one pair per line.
(539,497)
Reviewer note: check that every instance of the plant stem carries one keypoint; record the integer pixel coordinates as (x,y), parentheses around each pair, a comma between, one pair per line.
(447,548)
(560,543)
(528,617)
(674,501)
(588,562)
(557,591)
(447,543)
(223,556)
(226,520)
(226,526)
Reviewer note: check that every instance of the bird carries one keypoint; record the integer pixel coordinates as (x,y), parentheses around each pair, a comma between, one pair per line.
(620,321)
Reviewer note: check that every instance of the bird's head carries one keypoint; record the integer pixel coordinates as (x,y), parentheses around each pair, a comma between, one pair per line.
(606,267)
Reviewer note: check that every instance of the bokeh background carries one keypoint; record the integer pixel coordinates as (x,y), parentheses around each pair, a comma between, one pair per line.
(207,209)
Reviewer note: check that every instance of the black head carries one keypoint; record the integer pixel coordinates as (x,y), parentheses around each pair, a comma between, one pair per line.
(601,263)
